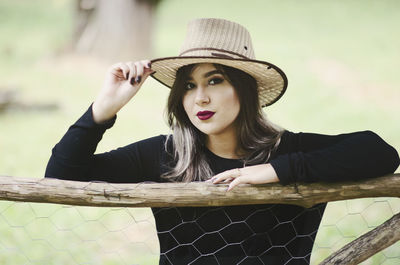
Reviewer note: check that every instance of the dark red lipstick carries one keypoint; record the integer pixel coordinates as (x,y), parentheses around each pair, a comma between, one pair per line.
(205,115)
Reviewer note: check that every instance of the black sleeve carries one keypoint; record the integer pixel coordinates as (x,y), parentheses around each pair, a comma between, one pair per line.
(308,157)
(73,157)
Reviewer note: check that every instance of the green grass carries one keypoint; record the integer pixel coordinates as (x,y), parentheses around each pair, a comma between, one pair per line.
(341,59)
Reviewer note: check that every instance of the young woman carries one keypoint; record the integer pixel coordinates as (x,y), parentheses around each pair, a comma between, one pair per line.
(219,134)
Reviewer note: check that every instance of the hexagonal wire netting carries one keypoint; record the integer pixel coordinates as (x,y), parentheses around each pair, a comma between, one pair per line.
(33,233)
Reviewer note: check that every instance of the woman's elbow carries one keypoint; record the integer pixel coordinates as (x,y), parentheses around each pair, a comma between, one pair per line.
(386,154)
(395,161)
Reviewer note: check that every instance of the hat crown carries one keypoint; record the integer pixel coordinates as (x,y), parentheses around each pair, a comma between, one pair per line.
(219,41)
(211,37)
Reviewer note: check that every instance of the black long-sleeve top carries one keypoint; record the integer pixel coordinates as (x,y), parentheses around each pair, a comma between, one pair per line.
(252,234)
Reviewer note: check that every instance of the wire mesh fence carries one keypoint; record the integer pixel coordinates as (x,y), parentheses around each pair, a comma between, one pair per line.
(35,233)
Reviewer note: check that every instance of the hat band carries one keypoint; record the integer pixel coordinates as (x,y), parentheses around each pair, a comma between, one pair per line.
(216,54)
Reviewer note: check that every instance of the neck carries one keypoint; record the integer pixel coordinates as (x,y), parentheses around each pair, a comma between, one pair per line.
(224,145)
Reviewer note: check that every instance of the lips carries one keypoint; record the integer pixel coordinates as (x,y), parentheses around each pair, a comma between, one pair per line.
(205,115)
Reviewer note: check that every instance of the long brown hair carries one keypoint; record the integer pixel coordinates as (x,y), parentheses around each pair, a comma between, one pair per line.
(257,137)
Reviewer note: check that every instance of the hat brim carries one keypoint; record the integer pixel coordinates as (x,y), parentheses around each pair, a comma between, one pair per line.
(271,80)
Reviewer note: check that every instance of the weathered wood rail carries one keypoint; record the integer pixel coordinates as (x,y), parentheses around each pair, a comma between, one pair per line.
(101,194)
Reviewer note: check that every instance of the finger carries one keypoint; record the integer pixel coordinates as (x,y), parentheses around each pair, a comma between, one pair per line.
(220,177)
(234,183)
(233,173)
(139,72)
(132,72)
(147,71)
(120,70)
(147,64)
(225,181)
(228,180)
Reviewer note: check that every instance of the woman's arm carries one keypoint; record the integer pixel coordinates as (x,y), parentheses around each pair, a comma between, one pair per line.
(73,157)
(308,157)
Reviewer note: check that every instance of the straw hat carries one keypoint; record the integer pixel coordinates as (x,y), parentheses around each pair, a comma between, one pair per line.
(210,40)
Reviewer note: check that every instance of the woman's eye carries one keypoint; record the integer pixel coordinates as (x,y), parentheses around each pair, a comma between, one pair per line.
(215,81)
(189,86)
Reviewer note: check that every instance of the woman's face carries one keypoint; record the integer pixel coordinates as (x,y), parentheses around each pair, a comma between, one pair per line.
(210,101)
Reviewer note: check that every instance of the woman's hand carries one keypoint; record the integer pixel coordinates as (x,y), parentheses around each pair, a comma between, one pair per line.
(258,174)
(122,82)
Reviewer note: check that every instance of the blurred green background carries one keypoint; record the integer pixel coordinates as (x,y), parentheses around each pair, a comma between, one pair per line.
(342,59)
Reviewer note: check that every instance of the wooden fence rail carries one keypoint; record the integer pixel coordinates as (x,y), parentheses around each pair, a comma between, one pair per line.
(101,194)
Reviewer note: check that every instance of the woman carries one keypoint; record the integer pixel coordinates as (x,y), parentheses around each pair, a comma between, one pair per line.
(219,134)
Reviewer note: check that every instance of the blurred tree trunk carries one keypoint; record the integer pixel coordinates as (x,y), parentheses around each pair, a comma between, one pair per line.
(115,30)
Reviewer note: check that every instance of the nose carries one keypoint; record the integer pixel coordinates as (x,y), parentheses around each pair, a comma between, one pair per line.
(202,97)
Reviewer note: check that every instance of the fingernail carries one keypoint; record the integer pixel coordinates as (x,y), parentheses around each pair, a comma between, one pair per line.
(132,81)
(149,65)
(138,79)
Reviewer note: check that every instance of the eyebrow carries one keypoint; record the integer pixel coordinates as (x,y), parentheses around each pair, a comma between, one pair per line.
(213,72)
